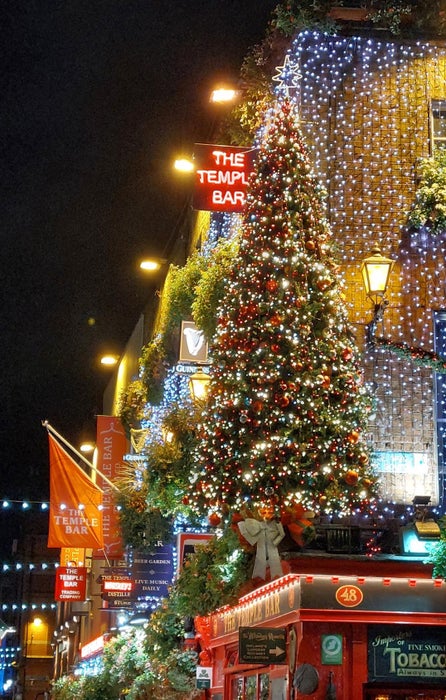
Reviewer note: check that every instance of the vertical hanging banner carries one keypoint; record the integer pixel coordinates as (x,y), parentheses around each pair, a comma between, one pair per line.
(111,443)
(75,518)
(72,556)
(221,177)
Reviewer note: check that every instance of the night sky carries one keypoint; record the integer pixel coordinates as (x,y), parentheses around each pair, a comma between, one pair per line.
(96,99)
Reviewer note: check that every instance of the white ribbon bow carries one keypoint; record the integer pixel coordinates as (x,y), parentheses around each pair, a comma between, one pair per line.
(266,534)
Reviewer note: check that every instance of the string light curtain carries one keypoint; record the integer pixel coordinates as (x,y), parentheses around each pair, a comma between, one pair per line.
(364,107)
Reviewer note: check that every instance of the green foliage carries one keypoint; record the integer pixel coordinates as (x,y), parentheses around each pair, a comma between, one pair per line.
(99,687)
(131,405)
(212,576)
(437,554)
(390,14)
(246,118)
(124,658)
(142,685)
(141,527)
(429,209)
(67,688)
(422,18)
(437,557)
(165,631)
(180,669)
(169,463)
(161,351)
(209,290)
(294,15)
(154,367)
(180,291)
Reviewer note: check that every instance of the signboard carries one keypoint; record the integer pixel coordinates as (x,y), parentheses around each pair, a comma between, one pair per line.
(221,177)
(331,649)
(204,676)
(406,654)
(262,645)
(71,583)
(193,344)
(117,591)
(187,542)
(152,572)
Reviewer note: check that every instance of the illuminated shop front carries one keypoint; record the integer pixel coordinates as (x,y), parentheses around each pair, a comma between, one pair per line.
(349,636)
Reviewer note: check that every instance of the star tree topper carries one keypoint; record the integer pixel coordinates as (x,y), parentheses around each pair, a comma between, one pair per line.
(287,76)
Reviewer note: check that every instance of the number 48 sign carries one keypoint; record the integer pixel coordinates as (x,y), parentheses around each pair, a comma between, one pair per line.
(349,596)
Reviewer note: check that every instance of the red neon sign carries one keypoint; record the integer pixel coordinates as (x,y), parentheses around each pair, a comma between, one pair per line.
(93,647)
(221,177)
(111,585)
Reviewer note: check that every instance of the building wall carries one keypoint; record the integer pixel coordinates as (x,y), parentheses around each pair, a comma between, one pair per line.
(364,105)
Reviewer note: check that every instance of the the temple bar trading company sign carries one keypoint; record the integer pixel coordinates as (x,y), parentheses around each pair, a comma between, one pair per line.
(417,654)
(221,177)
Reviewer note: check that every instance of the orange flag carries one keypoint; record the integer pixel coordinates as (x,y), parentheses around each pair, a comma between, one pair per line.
(75,513)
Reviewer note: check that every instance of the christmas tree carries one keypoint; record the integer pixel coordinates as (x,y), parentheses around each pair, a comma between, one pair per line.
(287,409)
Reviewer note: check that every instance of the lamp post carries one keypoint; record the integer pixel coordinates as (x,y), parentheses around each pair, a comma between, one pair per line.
(375,270)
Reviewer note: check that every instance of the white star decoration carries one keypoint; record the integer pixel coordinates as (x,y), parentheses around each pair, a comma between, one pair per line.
(287,76)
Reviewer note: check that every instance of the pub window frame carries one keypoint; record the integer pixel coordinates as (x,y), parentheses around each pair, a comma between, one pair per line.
(437,112)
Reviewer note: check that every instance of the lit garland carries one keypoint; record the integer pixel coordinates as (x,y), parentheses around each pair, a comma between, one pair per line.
(422,358)
(8,567)
(10,504)
(28,606)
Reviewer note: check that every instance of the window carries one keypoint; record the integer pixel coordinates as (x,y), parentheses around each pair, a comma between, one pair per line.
(438,125)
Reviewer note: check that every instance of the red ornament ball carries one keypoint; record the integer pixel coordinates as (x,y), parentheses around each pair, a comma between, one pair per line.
(271,285)
(214,519)
(353,437)
(351,477)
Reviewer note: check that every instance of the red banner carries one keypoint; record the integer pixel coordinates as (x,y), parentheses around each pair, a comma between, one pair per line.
(111,444)
(221,177)
(75,500)
(71,583)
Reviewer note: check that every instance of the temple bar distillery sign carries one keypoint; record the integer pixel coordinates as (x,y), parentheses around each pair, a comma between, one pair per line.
(400,654)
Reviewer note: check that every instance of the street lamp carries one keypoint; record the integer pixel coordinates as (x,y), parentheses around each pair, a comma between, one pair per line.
(87,447)
(223,95)
(109,360)
(152,264)
(184,165)
(375,270)
(199,385)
